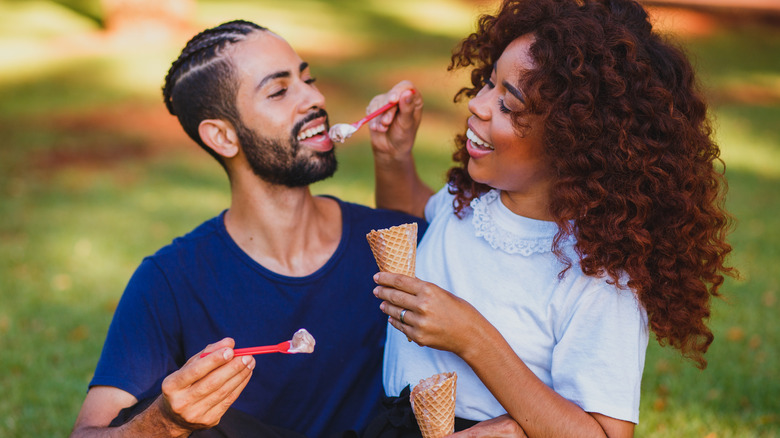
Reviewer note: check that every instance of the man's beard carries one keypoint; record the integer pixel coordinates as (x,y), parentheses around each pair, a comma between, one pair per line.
(282,163)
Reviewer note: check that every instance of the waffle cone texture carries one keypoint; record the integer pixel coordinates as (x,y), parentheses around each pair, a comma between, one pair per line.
(433,402)
(395,248)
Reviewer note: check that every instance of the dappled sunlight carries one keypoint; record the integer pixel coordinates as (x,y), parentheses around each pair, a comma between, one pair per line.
(448,18)
(27,30)
(681,22)
(37,19)
(758,88)
(312,27)
(95,175)
(743,149)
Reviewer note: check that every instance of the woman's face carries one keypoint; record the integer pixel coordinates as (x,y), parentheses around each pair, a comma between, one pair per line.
(500,157)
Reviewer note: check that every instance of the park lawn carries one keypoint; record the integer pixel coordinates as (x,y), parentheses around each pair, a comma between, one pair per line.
(94,175)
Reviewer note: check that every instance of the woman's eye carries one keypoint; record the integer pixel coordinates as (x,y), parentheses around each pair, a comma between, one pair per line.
(490,83)
(310,81)
(503,108)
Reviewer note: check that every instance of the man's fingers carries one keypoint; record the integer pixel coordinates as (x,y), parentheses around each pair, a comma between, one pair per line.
(215,382)
(222,343)
(198,367)
(232,389)
(193,405)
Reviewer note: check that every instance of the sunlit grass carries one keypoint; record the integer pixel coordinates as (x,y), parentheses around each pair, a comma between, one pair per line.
(745,146)
(72,233)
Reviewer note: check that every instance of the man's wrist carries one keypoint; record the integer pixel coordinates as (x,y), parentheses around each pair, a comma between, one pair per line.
(165,422)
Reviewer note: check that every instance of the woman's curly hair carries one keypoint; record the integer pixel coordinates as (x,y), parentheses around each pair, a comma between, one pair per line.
(639,182)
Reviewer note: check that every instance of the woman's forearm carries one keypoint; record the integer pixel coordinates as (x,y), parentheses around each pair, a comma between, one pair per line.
(539,410)
(398,185)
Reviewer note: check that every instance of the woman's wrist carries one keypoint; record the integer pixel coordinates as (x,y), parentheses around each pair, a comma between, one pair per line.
(393,158)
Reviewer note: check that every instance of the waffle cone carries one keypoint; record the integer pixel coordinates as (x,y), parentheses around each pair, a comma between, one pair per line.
(433,402)
(395,248)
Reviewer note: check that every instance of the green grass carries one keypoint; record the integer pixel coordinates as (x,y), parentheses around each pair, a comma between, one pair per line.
(92,179)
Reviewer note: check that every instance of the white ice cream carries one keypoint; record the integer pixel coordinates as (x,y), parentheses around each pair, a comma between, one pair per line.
(302,342)
(341,131)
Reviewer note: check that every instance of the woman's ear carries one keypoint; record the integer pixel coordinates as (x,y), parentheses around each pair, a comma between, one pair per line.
(220,136)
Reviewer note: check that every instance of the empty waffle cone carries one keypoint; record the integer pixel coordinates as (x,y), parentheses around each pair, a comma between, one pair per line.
(395,248)
(433,402)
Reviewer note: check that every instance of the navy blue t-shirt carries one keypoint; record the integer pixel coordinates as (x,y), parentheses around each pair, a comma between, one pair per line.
(203,287)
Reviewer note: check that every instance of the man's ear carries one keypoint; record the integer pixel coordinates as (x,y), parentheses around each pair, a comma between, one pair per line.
(220,136)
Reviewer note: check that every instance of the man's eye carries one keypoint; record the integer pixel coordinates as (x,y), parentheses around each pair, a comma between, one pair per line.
(490,83)
(310,81)
(278,93)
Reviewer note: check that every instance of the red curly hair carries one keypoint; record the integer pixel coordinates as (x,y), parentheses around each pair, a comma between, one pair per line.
(640,184)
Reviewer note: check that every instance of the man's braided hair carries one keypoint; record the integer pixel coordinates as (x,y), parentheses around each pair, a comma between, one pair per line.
(200,84)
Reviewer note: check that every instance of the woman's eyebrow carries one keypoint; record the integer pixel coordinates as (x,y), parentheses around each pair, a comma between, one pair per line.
(515,92)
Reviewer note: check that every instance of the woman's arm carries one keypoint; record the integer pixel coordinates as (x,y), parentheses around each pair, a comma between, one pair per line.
(398,185)
(440,320)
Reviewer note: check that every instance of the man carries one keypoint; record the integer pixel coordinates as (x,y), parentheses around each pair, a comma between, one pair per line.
(277,260)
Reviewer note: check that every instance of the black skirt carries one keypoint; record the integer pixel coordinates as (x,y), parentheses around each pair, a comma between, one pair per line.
(397,420)
(234,424)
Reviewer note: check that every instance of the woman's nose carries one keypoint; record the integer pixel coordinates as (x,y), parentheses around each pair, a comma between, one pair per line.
(479,105)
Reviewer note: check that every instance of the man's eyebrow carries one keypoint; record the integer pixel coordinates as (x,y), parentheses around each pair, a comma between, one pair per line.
(280,74)
(272,76)
(515,92)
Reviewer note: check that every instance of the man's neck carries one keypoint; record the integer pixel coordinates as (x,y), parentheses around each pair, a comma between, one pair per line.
(286,230)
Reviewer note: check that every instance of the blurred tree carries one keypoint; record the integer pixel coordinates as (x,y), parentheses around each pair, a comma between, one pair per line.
(148,18)
(88,8)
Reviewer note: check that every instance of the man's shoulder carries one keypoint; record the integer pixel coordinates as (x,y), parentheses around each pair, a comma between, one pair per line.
(375,218)
(202,235)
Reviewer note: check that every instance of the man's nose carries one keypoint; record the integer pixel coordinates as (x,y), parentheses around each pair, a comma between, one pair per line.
(314,99)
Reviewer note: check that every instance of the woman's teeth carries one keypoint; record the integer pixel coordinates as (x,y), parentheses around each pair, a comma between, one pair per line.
(311,132)
(477,141)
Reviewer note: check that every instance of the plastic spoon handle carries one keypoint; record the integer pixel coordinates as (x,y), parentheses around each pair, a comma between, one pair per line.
(382,109)
(283,347)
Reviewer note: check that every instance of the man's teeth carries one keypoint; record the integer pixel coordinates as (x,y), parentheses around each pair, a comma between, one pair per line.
(477,141)
(311,132)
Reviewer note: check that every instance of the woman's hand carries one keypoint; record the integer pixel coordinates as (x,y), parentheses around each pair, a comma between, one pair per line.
(432,317)
(499,427)
(393,133)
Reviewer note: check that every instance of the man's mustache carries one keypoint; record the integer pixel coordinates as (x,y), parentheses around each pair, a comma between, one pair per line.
(308,118)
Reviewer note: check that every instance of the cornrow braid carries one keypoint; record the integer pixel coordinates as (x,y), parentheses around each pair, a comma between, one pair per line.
(200,84)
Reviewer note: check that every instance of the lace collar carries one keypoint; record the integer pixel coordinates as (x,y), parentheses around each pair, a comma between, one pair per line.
(493,221)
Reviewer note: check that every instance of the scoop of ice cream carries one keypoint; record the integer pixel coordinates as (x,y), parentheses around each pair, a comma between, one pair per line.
(302,342)
(341,131)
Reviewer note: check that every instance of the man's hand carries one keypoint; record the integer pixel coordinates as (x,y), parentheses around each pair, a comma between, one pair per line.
(499,427)
(193,397)
(197,395)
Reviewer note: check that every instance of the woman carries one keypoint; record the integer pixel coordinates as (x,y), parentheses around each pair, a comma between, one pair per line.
(585,208)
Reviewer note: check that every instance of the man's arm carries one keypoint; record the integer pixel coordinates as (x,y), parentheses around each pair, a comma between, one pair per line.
(194,397)
(398,185)
(103,403)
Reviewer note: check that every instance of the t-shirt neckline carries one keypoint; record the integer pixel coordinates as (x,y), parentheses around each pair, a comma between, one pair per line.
(323,270)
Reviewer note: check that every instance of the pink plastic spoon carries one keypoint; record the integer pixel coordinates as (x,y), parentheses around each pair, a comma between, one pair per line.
(302,342)
(342,131)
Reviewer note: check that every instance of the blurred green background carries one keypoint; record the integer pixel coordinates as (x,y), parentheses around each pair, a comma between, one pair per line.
(94,175)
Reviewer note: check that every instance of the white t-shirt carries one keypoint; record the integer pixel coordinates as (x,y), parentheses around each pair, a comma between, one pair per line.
(583,337)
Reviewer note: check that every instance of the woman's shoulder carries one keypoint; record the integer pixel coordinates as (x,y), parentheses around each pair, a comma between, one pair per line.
(439,203)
